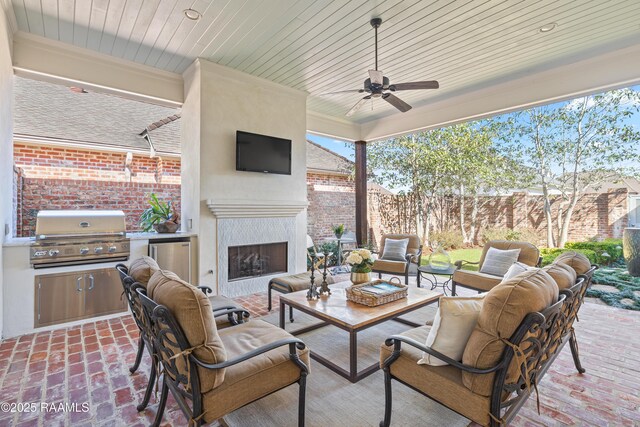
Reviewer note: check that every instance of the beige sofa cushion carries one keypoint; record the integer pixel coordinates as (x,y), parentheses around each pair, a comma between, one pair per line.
(504,308)
(387,266)
(256,377)
(579,262)
(298,282)
(441,383)
(529,254)
(455,320)
(564,275)
(192,310)
(475,279)
(142,269)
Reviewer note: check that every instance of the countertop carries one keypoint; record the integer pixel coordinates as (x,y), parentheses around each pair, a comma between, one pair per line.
(27,241)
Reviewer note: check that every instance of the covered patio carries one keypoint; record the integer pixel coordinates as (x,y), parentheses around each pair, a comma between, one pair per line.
(244,67)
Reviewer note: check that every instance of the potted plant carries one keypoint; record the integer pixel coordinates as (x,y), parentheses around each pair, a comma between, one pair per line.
(338,230)
(160,216)
(360,261)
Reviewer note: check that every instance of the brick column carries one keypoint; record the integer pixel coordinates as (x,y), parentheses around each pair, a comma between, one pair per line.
(617,211)
(361,192)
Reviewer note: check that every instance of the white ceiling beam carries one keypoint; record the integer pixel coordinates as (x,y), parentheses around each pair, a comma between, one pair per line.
(44,59)
(332,127)
(601,72)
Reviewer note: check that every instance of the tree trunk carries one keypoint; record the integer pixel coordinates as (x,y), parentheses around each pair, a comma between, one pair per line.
(474,219)
(465,238)
(548,217)
(563,234)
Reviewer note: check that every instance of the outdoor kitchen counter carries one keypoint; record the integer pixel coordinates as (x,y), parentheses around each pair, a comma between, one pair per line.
(27,241)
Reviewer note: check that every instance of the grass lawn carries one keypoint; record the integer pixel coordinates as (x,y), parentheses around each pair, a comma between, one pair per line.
(471,254)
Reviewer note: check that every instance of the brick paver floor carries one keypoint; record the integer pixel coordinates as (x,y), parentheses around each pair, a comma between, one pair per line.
(89,363)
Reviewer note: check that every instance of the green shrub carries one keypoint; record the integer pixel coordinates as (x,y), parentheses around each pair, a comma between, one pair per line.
(550,254)
(449,239)
(607,252)
(501,233)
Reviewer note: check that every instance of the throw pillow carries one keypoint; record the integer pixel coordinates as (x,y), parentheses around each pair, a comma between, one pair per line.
(455,320)
(497,261)
(395,250)
(515,269)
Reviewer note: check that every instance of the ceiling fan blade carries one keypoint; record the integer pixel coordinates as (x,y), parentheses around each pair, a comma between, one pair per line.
(396,102)
(376,77)
(342,91)
(358,105)
(432,84)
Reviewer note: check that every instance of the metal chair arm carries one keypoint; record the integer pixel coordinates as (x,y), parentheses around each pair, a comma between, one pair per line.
(205,289)
(461,263)
(292,342)
(231,310)
(397,340)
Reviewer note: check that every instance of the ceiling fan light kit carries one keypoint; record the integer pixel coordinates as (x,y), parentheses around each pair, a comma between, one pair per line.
(378,85)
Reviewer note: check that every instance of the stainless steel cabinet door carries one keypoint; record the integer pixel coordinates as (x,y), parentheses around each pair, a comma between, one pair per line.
(103,292)
(175,256)
(59,298)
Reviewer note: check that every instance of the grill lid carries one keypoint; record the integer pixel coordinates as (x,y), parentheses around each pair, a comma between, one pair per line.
(79,223)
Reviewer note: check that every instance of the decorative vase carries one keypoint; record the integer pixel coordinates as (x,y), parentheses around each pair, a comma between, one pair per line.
(166,227)
(439,259)
(357,278)
(631,250)
(338,235)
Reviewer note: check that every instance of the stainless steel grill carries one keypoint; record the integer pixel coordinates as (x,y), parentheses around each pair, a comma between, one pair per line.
(74,237)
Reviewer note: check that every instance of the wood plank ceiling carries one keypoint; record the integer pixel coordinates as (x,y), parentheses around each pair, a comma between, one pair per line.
(322,46)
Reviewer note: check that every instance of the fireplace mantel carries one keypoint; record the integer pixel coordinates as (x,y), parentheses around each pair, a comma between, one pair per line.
(256,208)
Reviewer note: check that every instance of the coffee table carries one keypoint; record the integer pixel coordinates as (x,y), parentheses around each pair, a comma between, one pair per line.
(336,310)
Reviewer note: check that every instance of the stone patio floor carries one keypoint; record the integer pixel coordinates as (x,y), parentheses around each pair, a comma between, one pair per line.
(89,363)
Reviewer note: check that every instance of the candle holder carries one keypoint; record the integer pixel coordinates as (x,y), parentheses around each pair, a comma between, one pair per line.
(324,287)
(312,293)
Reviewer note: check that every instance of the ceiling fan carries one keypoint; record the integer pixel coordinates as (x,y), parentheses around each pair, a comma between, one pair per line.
(377,85)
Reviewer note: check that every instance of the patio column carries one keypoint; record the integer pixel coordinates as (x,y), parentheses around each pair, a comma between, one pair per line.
(361,192)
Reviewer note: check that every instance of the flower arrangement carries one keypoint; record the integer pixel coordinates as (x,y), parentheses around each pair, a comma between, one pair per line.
(360,261)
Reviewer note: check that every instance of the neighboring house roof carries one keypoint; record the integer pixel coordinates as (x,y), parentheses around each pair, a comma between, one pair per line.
(323,160)
(49,112)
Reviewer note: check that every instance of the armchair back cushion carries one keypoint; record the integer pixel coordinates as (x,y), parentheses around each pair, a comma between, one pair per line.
(192,310)
(504,308)
(529,253)
(412,248)
(395,250)
(579,262)
(142,269)
(564,275)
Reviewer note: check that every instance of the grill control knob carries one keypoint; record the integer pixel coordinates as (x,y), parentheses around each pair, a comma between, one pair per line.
(84,251)
(98,250)
(54,252)
(112,249)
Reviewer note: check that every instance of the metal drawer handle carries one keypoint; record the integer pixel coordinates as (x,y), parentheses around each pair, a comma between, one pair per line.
(78,284)
(91,281)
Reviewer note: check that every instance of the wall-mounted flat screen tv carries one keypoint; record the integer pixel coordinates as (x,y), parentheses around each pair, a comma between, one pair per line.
(261,153)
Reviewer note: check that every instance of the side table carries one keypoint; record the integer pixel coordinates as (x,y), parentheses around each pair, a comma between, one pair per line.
(429,274)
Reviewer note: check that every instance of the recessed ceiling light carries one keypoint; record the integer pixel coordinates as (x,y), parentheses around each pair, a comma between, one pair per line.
(192,14)
(548,27)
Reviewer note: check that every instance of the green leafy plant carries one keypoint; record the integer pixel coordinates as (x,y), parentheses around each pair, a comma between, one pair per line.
(608,252)
(550,254)
(157,213)
(449,239)
(338,230)
(520,235)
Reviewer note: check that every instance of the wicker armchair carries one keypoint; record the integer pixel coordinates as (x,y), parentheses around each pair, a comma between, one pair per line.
(211,373)
(412,256)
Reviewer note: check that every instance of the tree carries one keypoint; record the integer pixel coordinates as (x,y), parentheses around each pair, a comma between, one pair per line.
(574,146)
(413,164)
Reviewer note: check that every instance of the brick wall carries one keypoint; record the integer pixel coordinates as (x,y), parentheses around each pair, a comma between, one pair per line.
(130,197)
(67,178)
(331,202)
(38,161)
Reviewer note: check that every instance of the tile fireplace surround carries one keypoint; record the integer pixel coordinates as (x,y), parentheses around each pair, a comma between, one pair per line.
(256,222)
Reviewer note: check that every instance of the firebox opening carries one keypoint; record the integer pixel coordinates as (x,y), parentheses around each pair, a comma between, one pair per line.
(257,260)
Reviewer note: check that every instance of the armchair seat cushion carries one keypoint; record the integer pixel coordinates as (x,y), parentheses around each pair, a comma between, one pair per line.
(476,280)
(254,378)
(441,383)
(387,266)
(297,282)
